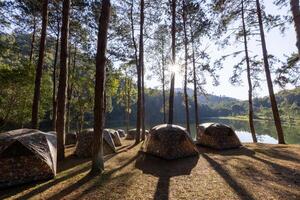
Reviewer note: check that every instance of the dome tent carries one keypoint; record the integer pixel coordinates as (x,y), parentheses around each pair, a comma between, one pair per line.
(217,136)
(115,136)
(169,142)
(85,142)
(26,155)
(121,132)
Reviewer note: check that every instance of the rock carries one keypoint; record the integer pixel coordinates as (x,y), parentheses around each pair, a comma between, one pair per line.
(71,138)
(85,143)
(26,155)
(115,136)
(132,132)
(121,133)
(217,136)
(170,142)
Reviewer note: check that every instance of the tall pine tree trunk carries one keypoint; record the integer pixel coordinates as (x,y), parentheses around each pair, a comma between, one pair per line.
(39,68)
(32,40)
(195,81)
(99,115)
(173,33)
(163,81)
(268,76)
(251,123)
(141,63)
(186,97)
(139,99)
(63,80)
(54,102)
(295,8)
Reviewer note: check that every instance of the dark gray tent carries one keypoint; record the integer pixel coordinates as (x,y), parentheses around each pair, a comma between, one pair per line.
(26,155)
(115,136)
(170,142)
(85,143)
(218,136)
(121,132)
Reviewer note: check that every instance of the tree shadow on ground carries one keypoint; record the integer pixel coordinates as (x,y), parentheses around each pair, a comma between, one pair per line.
(164,170)
(97,180)
(70,167)
(228,152)
(240,190)
(278,152)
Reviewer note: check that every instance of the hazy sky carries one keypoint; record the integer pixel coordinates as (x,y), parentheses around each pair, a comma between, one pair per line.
(277,44)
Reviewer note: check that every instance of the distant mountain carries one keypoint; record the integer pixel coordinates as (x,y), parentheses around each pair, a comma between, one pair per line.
(210,99)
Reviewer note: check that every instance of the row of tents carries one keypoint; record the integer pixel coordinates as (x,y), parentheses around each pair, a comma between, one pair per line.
(28,155)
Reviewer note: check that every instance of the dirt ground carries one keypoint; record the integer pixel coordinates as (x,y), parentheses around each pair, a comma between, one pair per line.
(255,171)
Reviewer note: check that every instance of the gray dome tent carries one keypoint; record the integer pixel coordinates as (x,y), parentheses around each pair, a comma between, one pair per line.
(115,136)
(85,143)
(121,132)
(170,142)
(218,136)
(26,155)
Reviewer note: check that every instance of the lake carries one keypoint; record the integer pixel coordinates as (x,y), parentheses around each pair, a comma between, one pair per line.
(265,130)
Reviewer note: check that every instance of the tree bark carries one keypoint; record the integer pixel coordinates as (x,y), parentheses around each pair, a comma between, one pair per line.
(32,39)
(269,79)
(195,81)
(39,68)
(163,80)
(296,17)
(186,98)
(63,80)
(99,115)
(173,33)
(139,100)
(54,102)
(141,64)
(251,123)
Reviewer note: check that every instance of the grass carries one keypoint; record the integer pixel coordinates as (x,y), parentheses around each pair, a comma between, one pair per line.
(256,171)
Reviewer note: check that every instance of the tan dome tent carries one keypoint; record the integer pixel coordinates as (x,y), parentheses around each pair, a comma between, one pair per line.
(170,142)
(26,155)
(218,136)
(132,132)
(115,136)
(85,142)
(121,133)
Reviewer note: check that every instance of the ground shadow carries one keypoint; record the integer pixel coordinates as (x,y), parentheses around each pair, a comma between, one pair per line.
(164,170)
(71,163)
(97,179)
(240,190)
(227,152)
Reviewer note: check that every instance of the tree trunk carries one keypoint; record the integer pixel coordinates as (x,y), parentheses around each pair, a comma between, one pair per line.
(39,68)
(251,123)
(296,16)
(163,81)
(99,115)
(70,87)
(186,97)
(141,63)
(195,81)
(32,39)
(173,33)
(54,103)
(63,80)
(139,100)
(128,105)
(269,79)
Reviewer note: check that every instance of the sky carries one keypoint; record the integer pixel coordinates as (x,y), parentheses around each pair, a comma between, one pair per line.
(277,44)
